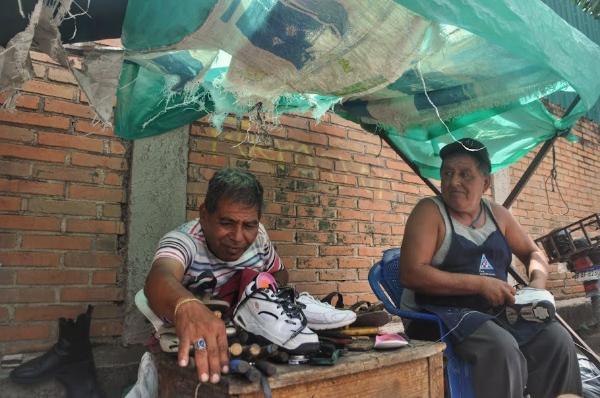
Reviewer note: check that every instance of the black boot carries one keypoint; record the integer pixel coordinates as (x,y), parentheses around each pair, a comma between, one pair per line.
(79,380)
(73,347)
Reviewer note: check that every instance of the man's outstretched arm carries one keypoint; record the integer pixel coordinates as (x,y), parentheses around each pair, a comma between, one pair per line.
(193,320)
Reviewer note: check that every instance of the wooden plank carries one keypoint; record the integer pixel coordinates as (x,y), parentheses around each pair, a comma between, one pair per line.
(355,366)
(436,376)
(407,380)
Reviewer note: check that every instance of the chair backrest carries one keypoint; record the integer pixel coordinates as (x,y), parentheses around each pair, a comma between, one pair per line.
(390,275)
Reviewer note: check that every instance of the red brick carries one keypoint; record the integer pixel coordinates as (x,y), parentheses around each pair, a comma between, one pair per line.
(403,187)
(113,179)
(44,277)
(336,119)
(113,211)
(346,262)
(12,168)
(70,207)
(70,141)
(333,153)
(95,226)
(296,250)
(92,260)
(7,277)
(294,121)
(376,252)
(93,128)
(313,161)
(352,167)
(34,153)
(336,251)
(352,238)
(374,228)
(381,205)
(281,236)
(340,202)
(397,165)
(33,187)
(302,276)
(30,223)
(102,311)
(385,173)
(83,159)
(66,173)
(68,108)
(317,262)
(329,129)
(269,154)
(29,259)
(338,178)
(26,295)
(24,332)
(353,287)
(346,144)
(373,183)
(57,242)
(117,148)
(95,193)
(305,136)
(42,57)
(87,294)
(104,278)
(411,178)
(286,145)
(48,312)
(354,214)
(13,133)
(4,314)
(208,160)
(61,75)
(10,203)
(315,237)
(317,289)
(50,89)
(369,159)
(361,135)
(8,241)
(313,211)
(39,71)
(338,275)
(27,101)
(356,192)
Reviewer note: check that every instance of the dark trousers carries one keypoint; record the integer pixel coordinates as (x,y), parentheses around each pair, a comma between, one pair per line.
(545,367)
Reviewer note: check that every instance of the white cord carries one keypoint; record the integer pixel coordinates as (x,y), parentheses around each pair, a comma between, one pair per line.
(461,319)
(435,108)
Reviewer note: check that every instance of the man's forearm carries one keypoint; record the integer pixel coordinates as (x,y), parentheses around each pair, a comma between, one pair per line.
(164,291)
(537,270)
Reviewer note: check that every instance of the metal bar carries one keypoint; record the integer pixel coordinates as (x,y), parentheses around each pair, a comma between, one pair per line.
(536,161)
(529,172)
(413,166)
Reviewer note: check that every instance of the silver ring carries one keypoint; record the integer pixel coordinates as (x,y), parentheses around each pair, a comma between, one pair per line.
(200,344)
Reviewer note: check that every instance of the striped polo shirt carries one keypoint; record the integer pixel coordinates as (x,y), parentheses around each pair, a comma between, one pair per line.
(187,245)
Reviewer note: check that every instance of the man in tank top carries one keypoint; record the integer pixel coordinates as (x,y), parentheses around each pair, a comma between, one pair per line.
(454,261)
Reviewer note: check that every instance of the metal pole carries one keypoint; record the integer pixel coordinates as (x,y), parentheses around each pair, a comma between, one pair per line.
(536,161)
(413,166)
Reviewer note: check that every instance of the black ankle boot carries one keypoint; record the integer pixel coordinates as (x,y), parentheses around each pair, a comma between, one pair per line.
(79,380)
(73,347)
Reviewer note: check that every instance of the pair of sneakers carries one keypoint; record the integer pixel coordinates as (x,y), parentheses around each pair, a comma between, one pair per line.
(285,319)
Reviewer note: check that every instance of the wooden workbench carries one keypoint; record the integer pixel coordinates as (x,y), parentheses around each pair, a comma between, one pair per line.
(413,371)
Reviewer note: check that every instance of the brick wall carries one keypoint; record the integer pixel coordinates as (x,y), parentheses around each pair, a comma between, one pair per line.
(62,191)
(540,209)
(336,198)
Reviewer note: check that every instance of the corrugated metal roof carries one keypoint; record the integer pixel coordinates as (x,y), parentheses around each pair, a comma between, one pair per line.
(587,25)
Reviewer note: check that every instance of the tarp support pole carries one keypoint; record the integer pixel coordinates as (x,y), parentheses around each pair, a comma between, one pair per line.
(413,167)
(536,161)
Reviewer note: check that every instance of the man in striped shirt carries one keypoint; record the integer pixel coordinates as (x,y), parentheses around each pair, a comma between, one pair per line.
(226,245)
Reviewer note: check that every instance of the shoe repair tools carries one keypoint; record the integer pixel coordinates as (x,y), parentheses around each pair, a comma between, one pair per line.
(267,368)
(298,359)
(359,331)
(279,357)
(235,349)
(251,351)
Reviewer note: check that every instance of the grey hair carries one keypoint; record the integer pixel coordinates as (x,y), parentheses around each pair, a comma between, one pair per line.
(236,185)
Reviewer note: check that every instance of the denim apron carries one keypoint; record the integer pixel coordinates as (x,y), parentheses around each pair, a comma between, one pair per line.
(462,315)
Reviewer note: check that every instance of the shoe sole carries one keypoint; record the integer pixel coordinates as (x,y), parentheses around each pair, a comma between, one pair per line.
(327,326)
(306,348)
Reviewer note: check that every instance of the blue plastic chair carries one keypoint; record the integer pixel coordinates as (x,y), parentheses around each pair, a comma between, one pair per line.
(384,278)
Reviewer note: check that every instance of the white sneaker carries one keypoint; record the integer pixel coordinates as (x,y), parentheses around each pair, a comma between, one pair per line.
(276,319)
(322,316)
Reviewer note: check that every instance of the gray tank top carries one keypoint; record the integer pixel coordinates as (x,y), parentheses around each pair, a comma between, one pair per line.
(475,235)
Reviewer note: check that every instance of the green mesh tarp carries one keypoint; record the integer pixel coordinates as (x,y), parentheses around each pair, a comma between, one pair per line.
(421,72)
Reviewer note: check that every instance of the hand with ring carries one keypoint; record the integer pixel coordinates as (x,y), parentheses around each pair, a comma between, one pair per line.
(198,327)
